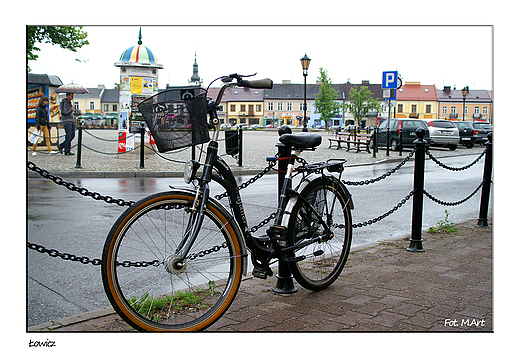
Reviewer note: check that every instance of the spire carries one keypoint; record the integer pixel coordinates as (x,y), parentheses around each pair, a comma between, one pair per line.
(140,37)
(195,78)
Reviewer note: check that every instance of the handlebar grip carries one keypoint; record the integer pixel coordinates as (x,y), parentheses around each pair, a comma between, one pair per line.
(265,83)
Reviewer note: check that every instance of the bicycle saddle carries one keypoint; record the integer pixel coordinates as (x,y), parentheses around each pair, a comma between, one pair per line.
(301,140)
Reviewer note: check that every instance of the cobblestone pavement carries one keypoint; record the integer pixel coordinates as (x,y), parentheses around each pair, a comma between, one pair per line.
(99,156)
(383,288)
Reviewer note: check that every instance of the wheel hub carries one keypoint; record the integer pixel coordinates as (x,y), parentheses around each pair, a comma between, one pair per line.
(175,265)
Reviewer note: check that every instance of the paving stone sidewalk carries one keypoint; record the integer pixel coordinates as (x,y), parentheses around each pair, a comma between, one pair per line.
(383,288)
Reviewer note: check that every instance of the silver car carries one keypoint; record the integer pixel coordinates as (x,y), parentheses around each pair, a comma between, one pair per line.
(443,133)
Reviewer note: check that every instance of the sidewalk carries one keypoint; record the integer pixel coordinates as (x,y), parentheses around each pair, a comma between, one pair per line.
(382,288)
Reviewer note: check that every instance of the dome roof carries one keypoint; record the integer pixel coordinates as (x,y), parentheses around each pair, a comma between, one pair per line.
(139,53)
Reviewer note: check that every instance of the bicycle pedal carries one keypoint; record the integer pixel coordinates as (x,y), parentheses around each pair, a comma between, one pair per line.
(263,238)
(262,273)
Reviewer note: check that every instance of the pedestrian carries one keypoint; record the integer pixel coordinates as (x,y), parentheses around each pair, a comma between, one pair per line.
(42,124)
(67,120)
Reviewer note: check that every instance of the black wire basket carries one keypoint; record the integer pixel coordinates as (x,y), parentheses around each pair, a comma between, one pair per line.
(177,118)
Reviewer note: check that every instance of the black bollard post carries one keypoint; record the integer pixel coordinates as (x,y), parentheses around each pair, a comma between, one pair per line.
(80,144)
(401,143)
(141,155)
(486,187)
(284,283)
(418,187)
(240,146)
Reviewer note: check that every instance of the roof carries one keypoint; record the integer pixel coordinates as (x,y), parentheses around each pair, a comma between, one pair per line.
(416,92)
(245,95)
(377,91)
(110,95)
(296,91)
(475,96)
(38,79)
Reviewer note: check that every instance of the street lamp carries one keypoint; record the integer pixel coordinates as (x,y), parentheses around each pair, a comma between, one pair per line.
(465,91)
(305,65)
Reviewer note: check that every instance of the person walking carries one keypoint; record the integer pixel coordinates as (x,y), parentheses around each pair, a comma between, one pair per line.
(67,119)
(42,124)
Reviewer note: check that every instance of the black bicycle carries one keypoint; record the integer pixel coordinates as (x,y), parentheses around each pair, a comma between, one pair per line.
(173,261)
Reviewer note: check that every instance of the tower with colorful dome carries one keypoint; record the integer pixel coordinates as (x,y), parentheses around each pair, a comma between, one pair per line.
(138,80)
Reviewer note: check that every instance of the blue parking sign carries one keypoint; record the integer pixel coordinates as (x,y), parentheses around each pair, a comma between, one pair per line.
(389,80)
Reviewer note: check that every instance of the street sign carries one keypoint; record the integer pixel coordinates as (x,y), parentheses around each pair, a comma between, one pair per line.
(389,80)
(389,93)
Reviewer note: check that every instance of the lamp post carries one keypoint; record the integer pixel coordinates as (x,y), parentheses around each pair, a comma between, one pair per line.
(305,66)
(465,91)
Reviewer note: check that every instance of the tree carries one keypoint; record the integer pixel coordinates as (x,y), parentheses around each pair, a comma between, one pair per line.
(360,103)
(68,37)
(325,103)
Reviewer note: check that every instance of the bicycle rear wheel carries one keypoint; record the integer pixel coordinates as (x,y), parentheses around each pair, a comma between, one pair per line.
(140,278)
(324,260)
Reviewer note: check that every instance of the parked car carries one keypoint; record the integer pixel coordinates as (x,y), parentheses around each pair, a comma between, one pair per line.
(483,128)
(395,127)
(225,126)
(443,133)
(468,134)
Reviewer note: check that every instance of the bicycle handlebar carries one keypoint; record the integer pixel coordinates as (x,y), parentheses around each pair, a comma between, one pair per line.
(264,83)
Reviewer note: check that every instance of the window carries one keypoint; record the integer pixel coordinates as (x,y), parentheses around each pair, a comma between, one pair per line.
(453,110)
(251,108)
(76,106)
(280,106)
(484,110)
(444,110)
(259,108)
(428,108)
(289,106)
(301,106)
(399,108)
(242,108)
(232,108)
(270,106)
(465,110)
(105,108)
(91,105)
(414,108)
(114,108)
(477,110)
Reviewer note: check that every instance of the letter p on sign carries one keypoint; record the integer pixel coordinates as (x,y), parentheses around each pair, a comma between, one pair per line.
(389,80)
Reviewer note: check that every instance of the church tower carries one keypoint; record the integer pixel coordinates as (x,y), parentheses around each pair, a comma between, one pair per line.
(195,79)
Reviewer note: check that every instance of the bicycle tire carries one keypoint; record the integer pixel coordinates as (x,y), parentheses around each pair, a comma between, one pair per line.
(324,261)
(141,283)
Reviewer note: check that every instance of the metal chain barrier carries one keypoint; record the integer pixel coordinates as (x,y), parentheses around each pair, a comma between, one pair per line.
(455,203)
(71,186)
(386,175)
(442,165)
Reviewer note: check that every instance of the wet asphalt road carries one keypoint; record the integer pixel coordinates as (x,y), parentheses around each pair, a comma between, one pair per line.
(68,222)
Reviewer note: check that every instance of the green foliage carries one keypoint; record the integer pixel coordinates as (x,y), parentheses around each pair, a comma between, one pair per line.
(361,102)
(443,225)
(67,37)
(324,103)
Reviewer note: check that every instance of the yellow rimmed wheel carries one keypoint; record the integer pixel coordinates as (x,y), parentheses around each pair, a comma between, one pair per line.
(145,280)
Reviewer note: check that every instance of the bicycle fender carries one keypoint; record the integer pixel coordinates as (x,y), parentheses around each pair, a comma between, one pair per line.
(230,218)
(301,187)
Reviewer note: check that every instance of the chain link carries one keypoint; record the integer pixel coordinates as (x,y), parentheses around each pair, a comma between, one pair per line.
(455,203)
(71,186)
(250,181)
(442,165)
(387,174)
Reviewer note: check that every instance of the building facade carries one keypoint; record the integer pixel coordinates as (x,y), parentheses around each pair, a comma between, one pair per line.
(414,100)
(478,105)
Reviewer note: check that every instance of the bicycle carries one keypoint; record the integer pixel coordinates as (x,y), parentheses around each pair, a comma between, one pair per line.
(173,261)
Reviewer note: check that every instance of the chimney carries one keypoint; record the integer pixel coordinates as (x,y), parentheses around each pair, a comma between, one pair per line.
(447,89)
(286,82)
(365,82)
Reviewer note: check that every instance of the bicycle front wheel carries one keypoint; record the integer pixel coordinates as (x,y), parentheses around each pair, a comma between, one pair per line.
(143,283)
(324,260)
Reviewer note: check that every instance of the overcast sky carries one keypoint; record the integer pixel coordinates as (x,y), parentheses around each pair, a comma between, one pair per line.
(429,54)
